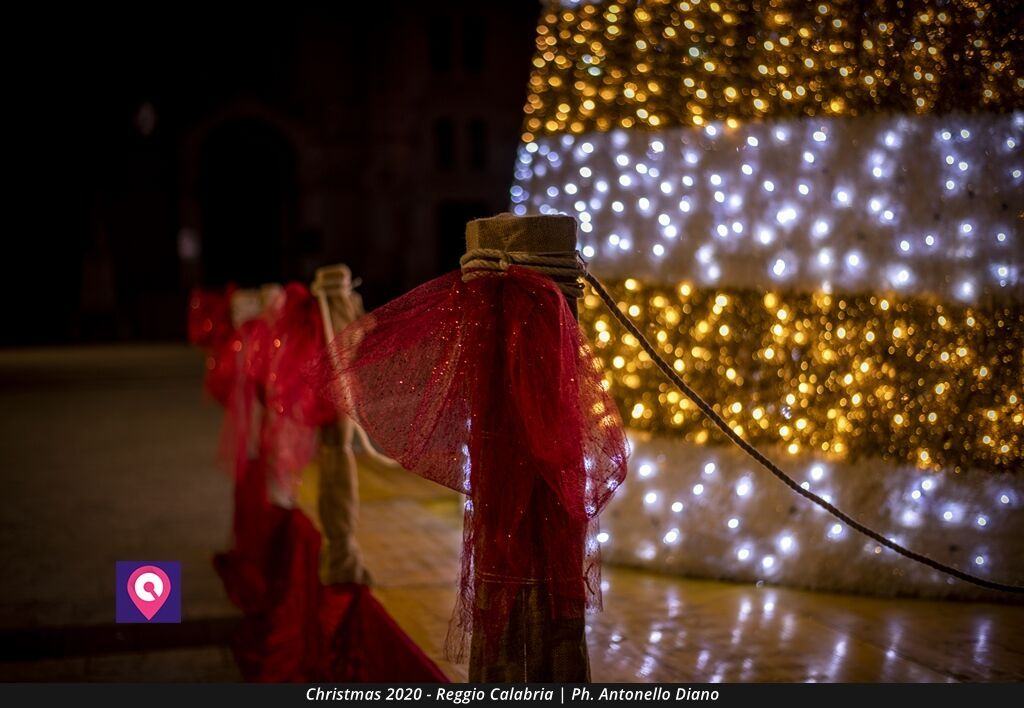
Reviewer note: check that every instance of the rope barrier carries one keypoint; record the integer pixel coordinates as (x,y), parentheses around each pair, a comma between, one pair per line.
(322,289)
(567,266)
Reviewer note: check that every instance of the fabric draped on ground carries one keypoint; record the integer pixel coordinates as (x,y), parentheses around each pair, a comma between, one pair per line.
(296,629)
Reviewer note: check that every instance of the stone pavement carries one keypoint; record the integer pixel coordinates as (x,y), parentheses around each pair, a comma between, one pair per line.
(108,454)
(664,628)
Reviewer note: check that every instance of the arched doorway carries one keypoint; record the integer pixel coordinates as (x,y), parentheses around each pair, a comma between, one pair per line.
(247,197)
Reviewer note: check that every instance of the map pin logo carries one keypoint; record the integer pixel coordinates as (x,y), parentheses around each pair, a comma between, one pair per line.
(148,588)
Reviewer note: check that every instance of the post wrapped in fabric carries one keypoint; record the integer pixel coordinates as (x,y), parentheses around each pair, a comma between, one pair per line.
(488,386)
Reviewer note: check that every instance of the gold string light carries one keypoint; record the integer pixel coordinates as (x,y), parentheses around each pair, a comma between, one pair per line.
(658,64)
(904,379)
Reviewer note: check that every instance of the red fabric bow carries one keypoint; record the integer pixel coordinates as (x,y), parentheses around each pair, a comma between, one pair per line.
(489,387)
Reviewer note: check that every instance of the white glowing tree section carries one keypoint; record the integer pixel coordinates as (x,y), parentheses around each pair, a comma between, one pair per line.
(923,205)
(713,512)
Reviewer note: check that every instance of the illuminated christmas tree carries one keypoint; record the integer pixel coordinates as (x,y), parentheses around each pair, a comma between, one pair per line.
(816,211)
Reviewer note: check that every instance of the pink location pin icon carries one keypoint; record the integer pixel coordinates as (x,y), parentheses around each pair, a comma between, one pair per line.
(149,587)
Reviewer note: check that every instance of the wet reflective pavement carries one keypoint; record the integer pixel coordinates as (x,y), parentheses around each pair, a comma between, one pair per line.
(109,454)
(663,628)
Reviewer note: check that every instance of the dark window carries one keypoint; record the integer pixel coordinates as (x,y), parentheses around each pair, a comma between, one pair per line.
(444,144)
(477,144)
(440,37)
(474,42)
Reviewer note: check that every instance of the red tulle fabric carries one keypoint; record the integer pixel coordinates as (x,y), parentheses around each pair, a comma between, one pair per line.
(490,388)
(210,328)
(255,372)
(209,317)
(293,628)
(294,411)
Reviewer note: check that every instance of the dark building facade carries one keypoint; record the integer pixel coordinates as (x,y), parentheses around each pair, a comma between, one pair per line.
(198,149)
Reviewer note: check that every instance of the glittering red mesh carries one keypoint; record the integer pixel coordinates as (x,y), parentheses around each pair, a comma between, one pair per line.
(210,328)
(293,411)
(209,317)
(255,372)
(489,387)
(238,365)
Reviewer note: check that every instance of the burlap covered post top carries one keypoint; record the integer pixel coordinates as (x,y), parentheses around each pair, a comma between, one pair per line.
(530,234)
(333,285)
(534,646)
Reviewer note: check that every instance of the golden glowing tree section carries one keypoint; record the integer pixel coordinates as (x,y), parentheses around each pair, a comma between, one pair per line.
(906,380)
(660,64)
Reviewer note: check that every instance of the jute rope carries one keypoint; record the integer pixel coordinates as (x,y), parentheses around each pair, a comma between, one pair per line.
(566,268)
(322,293)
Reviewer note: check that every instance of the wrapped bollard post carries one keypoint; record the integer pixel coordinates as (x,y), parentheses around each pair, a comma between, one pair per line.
(482,381)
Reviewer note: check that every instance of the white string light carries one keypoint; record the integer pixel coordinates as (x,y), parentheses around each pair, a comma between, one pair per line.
(937,189)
